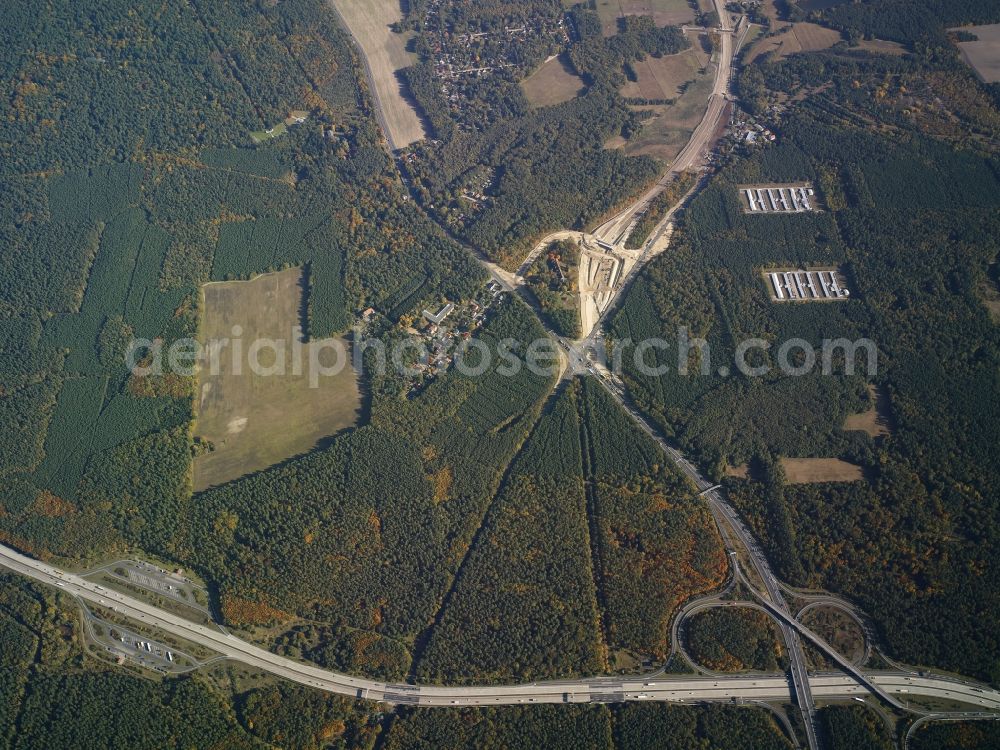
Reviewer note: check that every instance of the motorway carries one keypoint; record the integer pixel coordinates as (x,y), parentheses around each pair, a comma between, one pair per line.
(726,518)
(893,687)
(765,687)
(730,525)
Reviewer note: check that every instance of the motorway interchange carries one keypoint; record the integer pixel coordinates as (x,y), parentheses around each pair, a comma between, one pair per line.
(982,700)
(897,687)
(891,689)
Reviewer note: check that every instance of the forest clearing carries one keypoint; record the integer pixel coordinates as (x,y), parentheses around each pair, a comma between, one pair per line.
(255,420)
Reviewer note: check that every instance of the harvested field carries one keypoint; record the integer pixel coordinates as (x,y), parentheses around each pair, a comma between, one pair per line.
(255,420)
(993,307)
(670,126)
(368,22)
(770,10)
(815,470)
(801,37)
(662,77)
(553,82)
(876,420)
(701,47)
(754,32)
(983,55)
(813,37)
(664,12)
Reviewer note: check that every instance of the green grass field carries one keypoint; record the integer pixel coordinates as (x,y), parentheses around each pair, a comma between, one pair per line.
(259,136)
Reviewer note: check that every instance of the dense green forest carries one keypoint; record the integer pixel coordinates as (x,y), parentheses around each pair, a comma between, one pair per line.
(348,554)
(335,645)
(957,736)
(59,699)
(709,287)
(650,727)
(587,552)
(524,605)
(555,727)
(569,727)
(656,544)
(134,226)
(854,728)
(120,198)
(369,532)
(734,639)
(912,219)
(52,696)
(921,23)
(483,527)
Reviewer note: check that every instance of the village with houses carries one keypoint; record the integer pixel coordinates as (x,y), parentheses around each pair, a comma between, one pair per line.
(437,333)
(461,57)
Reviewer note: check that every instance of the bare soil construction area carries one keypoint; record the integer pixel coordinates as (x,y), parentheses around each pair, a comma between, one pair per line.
(984,54)
(255,420)
(368,21)
(815,470)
